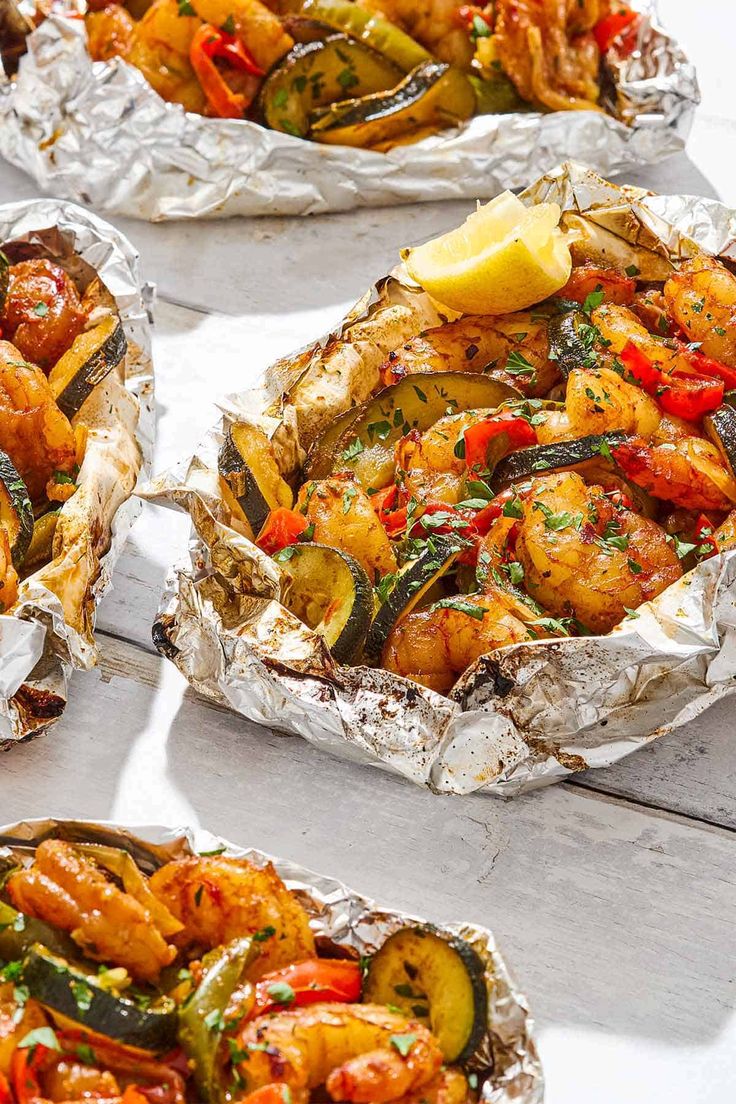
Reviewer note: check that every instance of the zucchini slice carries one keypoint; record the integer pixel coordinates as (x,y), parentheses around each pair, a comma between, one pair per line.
(92,356)
(540,459)
(432,95)
(330,592)
(412,584)
(566,346)
(320,459)
(436,978)
(721,428)
(4,279)
(54,983)
(317,73)
(41,548)
(366,445)
(16,511)
(249,468)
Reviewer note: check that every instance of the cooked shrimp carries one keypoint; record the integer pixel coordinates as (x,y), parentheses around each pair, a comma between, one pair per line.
(346,1047)
(432,471)
(35,434)
(43,313)
(689,473)
(343,517)
(68,1080)
(479,343)
(598,400)
(585,558)
(8,574)
(219,899)
(66,889)
(701,297)
(450,1086)
(110,32)
(434,646)
(546,48)
(259,28)
(619,325)
(434,24)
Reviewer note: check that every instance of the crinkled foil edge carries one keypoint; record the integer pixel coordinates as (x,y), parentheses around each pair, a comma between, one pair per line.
(97,133)
(39,648)
(522,717)
(348,918)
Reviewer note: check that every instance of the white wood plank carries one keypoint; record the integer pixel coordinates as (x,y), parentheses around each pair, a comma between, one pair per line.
(617,920)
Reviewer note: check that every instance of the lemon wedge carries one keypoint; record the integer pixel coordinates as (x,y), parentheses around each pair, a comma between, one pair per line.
(504,257)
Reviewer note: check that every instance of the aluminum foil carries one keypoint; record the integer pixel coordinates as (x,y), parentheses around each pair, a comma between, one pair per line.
(99,134)
(507,1059)
(521,717)
(50,629)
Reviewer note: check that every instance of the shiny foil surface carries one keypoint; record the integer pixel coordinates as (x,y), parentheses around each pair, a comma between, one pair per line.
(523,716)
(507,1058)
(98,133)
(39,643)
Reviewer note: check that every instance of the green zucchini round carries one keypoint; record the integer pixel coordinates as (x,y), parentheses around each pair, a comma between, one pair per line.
(53,982)
(721,428)
(436,978)
(92,356)
(431,95)
(330,592)
(412,584)
(566,346)
(4,279)
(16,510)
(317,73)
(541,459)
(247,465)
(366,444)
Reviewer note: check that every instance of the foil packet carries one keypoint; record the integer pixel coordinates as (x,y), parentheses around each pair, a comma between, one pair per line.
(50,629)
(523,716)
(99,134)
(507,1058)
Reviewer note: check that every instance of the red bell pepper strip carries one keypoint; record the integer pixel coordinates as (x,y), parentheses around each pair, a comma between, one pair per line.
(477,437)
(705,537)
(6,1096)
(612,26)
(308,982)
(585,279)
(24,1068)
(209,43)
(133,1095)
(703,365)
(281,528)
(688,397)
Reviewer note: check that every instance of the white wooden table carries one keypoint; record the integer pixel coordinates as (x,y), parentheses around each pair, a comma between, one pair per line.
(613,895)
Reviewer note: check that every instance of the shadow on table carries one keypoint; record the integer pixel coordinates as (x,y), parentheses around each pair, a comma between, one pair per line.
(612,915)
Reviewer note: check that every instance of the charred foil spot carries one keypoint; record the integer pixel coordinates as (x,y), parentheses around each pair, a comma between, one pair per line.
(38,707)
(160,636)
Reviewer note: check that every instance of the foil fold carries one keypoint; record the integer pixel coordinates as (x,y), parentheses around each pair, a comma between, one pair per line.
(97,133)
(337,913)
(50,629)
(521,717)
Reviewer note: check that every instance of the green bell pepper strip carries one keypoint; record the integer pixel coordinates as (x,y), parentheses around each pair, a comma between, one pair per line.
(201,1018)
(19,932)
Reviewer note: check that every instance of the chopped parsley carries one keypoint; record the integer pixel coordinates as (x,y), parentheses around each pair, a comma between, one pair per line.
(41,310)
(82,994)
(381,430)
(281,992)
(354,449)
(518,365)
(185,8)
(477,612)
(264,934)
(214,1020)
(593,300)
(634,567)
(349,494)
(229,25)
(40,1036)
(403,1043)
(513,508)
(631,270)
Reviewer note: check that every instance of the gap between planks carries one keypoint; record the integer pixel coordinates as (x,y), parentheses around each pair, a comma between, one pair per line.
(123,658)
